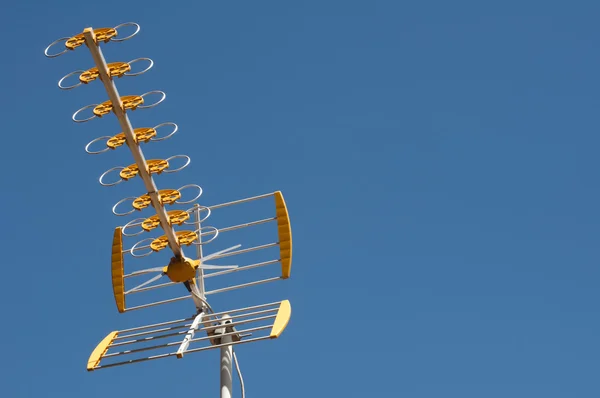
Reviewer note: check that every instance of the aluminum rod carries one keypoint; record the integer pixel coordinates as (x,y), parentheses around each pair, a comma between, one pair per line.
(136,151)
(245,225)
(227,289)
(189,335)
(139,307)
(145,289)
(142,349)
(262,318)
(110,365)
(246,315)
(254,307)
(235,202)
(244,268)
(256,329)
(233,343)
(250,249)
(150,326)
(151,337)
(200,278)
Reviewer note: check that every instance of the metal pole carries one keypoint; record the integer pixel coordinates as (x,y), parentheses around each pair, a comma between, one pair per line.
(226,357)
(199,250)
(113,95)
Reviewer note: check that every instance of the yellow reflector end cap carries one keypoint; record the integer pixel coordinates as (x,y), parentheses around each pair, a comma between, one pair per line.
(281,320)
(100,350)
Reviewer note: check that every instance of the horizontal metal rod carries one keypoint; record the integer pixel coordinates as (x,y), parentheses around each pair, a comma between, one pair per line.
(138,273)
(145,289)
(158,303)
(227,289)
(246,315)
(136,350)
(262,318)
(151,337)
(244,268)
(251,249)
(248,224)
(150,326)
(228,344)
(110,365)
(254,307)
(235,202)
(216,336)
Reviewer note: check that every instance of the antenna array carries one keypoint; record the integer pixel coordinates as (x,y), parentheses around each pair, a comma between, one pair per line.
(178,337)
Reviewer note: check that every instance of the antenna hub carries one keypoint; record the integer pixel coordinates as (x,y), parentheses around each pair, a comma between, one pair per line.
(181,269)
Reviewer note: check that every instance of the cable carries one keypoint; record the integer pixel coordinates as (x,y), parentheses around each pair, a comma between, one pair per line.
(235,360)
(239,372)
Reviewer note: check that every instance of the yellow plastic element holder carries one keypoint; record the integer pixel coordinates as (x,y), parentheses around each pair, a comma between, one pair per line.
(155,166)
(183,237)
(101,34)
(115,69)
(284,231)
(281,320)
(166,197)
(117,269)
(176,217)
(128,101)
(181,270)
(100,350)
(140,134)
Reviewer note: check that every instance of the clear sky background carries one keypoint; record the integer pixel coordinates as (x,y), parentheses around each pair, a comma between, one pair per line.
(439,161)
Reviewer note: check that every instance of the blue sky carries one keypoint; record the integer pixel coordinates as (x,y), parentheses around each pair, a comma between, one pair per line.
(438,160)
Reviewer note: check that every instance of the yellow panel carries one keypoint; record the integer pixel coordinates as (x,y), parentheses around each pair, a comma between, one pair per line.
(131,101)
(100,350)
(281,320)
(118,281)
(284,230)
(101,34)
(167,197)
(183,237)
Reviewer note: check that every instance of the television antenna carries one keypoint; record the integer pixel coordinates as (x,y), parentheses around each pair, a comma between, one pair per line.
(178,338)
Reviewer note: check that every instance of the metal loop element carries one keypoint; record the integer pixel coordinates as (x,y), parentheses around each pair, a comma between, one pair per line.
(135,248)
(143,71)
(199,233)
(181,202)
(137,222)
(66,77)
(193,210)
(82,109)
(175,128)
(186,164)
(114,209)
(87,147)
(163,96)
(112,183)
(137,29)
(55,42)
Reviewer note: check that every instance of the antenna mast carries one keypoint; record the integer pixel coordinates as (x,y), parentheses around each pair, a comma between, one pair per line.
(174,338)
